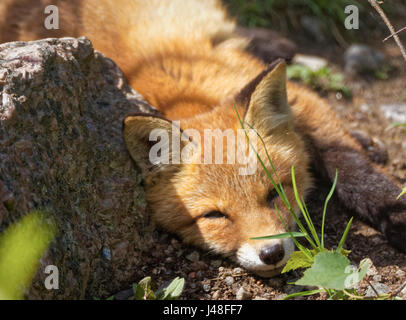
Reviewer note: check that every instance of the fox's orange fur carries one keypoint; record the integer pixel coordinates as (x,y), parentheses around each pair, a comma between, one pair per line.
(184,58)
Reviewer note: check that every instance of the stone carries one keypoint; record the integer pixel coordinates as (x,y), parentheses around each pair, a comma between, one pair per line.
(216,295)
(314,63)
(193,257)
(379,287)
(372,271)
(206,288)
(61,151)
(361,59)
(229,280)
(243,294)
(394,112)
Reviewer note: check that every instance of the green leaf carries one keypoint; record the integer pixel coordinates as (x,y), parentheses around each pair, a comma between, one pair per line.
(281,236)
(329,270)
(345,252)
(356,276)
(143,291)
(21,248)
(172,291)
(298,260)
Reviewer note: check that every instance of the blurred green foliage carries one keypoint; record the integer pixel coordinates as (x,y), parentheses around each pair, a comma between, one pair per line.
(143,290)
(21,248)
(261,13)
(323,79)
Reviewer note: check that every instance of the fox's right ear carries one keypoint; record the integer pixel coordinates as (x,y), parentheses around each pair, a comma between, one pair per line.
(148,139)
(266,100)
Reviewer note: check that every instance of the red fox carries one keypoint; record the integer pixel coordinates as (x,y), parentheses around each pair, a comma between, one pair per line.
(186,60)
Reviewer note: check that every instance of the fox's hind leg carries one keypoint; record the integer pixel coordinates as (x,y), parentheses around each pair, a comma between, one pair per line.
(363,186)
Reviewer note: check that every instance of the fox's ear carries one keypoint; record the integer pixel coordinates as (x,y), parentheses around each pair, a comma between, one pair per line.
(266,99)
(149,141)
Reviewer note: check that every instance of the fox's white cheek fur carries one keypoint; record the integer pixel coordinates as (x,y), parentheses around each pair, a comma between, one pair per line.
(248,257)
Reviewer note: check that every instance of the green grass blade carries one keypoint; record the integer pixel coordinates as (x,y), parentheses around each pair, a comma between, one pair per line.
(281,236)
(325,209)
(304,293)
(305,212)
(305,251)
(344,237)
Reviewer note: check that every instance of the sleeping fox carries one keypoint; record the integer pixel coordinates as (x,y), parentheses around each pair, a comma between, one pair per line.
(186,60)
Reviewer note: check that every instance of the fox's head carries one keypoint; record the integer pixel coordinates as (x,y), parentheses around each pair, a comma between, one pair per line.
(214,206)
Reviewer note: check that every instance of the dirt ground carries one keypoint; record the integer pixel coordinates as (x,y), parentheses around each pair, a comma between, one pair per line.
(215,277)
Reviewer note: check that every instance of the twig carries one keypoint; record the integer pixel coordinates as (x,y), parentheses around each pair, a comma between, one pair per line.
(373,289)
(397,32)
(399,290)
(389,25)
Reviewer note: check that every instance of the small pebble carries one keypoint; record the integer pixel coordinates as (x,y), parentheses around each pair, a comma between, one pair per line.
(229,280)
(216,295)
(106,253)
(379,287)
(400,273)
(280,296)
(237,271)
(243,294)
(377,278)
(194,256)
(372,270)
(403,292)
(206,288)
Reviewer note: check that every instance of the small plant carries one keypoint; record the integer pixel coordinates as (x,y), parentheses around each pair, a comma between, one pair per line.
(322,79)
(143,290)
(328,270)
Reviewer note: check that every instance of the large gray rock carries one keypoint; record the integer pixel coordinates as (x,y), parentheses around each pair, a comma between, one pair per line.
(61,150)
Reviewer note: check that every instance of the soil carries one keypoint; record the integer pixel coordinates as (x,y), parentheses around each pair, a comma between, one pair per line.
(214,277)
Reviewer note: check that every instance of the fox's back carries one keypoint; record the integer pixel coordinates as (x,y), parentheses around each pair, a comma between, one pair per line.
(175,53)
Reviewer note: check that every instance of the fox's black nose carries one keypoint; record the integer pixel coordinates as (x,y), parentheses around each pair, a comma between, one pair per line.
(272,254)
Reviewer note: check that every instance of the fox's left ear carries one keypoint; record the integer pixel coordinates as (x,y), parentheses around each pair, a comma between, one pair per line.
(266,99)
(148,139)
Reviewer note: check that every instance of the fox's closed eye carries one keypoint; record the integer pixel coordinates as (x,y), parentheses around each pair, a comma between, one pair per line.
(214,214)
(272,195)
